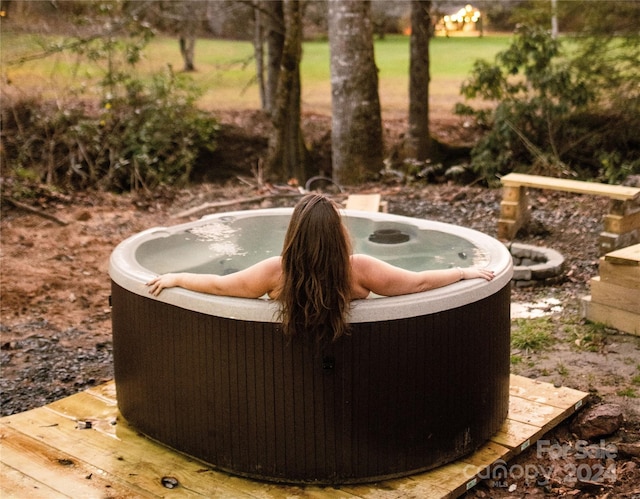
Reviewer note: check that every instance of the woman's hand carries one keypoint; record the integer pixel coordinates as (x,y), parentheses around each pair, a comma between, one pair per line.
(472,273)
(161,282)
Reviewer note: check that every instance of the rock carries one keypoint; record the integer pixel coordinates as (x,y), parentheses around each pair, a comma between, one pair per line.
(83,216)
(597,421)
(630,449)
(632,181)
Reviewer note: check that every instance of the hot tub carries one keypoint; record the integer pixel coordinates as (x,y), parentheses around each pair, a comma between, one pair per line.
(422,379)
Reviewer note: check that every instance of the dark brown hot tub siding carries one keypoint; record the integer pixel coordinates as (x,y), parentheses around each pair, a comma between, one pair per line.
(393,398)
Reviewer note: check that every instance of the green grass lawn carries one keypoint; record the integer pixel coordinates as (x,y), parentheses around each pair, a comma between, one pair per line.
(226,70)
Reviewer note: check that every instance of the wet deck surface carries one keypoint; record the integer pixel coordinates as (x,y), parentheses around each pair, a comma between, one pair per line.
(80,446)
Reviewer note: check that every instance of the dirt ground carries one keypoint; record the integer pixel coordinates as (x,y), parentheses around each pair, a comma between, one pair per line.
(56,326)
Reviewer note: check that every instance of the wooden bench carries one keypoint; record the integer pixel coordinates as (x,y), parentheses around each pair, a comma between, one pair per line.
(621,223)
(366,202)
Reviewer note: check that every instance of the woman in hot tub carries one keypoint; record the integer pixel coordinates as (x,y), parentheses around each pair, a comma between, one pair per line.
(317,277)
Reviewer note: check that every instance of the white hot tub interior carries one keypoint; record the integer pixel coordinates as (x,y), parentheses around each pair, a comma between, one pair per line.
(230,243)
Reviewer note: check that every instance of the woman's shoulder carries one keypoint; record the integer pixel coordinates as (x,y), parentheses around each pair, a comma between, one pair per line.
(273,260)
(362,263)
(271,264)
(361,258)
(367,267)
(268,268)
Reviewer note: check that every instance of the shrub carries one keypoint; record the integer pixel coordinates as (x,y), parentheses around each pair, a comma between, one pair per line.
(152,136)
(552,113)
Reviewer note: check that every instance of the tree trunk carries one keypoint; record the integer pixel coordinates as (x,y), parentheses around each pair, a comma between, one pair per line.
(275,45)
(189,23)
(258,52)
(356,134)
(419,140)
(288,158)
(187,49)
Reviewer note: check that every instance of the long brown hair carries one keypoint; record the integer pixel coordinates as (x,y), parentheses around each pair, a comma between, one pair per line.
(316,276)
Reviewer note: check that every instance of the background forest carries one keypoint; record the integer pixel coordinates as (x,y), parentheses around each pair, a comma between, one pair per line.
(89,99)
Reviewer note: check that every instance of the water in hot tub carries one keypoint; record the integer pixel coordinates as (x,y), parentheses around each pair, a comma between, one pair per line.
(224,245)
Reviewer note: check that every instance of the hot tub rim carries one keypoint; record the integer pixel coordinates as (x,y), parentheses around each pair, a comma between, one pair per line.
(125,271)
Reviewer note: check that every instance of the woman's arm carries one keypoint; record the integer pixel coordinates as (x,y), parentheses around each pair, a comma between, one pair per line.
(388,280)
(253,282)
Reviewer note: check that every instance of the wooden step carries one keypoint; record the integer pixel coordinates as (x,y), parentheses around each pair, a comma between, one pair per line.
(612,317)
(621,267)
(612,294)
(629,256)
(623,275)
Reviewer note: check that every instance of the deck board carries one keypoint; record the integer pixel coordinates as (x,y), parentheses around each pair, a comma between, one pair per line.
(48,452)
(55,473)
(18,485)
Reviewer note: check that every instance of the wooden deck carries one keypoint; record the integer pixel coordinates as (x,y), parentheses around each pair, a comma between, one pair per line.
(80,447)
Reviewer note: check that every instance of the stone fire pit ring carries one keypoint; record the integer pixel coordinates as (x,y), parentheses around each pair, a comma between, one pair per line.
(535,265)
